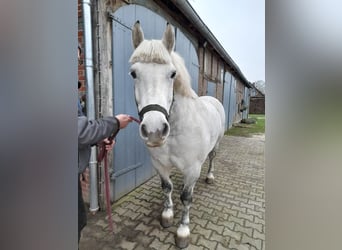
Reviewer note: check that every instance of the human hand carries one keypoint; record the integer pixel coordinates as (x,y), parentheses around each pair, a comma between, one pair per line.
(108,146)
(124,120)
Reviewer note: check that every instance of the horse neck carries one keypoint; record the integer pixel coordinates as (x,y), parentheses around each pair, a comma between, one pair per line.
(181,106)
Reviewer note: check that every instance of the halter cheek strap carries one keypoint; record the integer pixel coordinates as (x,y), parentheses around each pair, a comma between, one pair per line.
(153,107)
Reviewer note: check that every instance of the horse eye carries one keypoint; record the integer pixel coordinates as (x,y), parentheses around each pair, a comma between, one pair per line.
(173,74)
(133,74)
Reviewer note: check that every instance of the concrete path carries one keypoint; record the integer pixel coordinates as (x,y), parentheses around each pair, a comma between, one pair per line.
(229,214)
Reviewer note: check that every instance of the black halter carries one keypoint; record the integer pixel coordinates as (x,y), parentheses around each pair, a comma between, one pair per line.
(153,107)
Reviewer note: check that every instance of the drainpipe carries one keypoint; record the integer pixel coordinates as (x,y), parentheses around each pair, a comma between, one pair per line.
(89,67)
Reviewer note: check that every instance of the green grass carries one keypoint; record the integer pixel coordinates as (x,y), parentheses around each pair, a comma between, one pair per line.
(248,130)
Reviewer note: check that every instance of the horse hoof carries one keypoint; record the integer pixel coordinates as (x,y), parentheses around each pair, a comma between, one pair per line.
(182,242)
(166,222)
(183,236)
(209,180)
(167,218)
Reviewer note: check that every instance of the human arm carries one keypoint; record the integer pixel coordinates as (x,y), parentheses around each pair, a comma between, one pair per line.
(91,132)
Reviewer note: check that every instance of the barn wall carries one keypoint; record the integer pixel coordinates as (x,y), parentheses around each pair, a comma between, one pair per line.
(257,105)
(240,92)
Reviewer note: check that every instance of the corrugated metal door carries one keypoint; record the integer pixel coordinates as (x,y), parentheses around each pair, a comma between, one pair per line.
(229,99)
(227,87)
(132,165)
(246,99)
(232,107)
(211,89)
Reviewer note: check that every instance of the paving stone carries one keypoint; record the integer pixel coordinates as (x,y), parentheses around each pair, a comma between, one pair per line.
(236,245)
(245,216)
(221,215)
(158,245)
(215,227)
(144,228)
(131,214)
(230,211)
(244,230)
(197,247)
(197,213)
(258,220)
(258,235)
(242,200)
(207,243)
(198,220)
(220,239)
(257,243)
(226,215)
(256,203)
(161,235)
(236,220)
(202,231)
(127,245)
(226,224)
(258,227)
(256,213)
(232,234)
(249,206)
(238,208)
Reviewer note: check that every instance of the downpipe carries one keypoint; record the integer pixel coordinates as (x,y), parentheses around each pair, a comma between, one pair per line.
(89,68)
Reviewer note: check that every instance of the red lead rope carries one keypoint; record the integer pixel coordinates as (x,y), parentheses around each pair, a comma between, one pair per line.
(103,156)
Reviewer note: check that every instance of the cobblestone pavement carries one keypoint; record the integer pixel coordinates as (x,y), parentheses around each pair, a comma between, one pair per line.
(229,214)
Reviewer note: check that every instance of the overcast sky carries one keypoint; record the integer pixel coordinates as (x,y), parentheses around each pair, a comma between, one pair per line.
(239,26)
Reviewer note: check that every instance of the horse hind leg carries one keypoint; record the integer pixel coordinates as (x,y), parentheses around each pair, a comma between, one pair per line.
(167,214)
(183,231)
(210,175)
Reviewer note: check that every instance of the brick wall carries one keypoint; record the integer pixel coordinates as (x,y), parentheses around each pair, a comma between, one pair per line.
(257,105)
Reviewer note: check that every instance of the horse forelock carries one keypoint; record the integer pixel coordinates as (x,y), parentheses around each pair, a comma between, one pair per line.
(154,51)
(151,51)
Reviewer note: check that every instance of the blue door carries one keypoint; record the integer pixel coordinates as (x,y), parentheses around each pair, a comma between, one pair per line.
(227,88)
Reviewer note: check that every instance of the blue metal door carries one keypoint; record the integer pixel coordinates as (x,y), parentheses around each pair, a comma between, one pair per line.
(211,89)
(226,97)
(246,99)
(232,108)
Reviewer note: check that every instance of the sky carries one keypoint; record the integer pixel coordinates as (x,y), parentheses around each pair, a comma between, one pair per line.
(239,26)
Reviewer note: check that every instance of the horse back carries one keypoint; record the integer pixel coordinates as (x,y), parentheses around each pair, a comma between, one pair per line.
(213,104)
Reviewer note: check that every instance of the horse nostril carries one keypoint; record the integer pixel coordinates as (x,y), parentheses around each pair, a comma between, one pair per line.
(165,129)
(143,131)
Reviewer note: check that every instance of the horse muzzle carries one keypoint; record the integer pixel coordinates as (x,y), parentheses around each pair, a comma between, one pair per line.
(154,127)
(154,134)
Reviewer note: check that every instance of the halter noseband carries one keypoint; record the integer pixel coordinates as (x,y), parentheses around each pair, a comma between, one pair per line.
(153,107)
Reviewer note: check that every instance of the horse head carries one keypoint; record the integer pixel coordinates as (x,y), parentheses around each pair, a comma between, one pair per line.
(153,73)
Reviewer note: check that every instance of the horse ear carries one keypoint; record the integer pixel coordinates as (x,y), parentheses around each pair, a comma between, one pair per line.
(137,34)
(169,38)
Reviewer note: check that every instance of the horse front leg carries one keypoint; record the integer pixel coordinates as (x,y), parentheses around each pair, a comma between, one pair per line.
(167,214)
(183,231)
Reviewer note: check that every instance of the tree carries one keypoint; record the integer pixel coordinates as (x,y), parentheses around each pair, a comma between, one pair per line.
(260,85)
